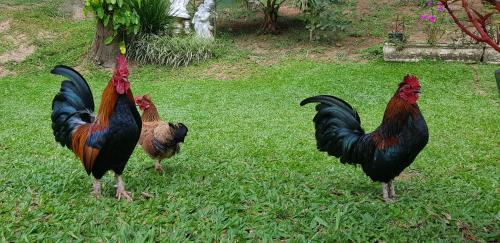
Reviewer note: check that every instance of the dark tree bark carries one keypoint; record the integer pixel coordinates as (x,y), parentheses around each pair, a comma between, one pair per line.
(270,9)
(270,20)
(101,53)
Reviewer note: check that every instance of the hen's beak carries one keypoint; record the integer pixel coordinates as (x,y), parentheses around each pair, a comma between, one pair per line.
(418,93)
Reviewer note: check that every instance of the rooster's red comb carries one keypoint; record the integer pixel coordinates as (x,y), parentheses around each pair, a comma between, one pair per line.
(411,80)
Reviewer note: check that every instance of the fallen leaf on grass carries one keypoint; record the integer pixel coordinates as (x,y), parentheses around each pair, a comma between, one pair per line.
(465,230)
(146,195)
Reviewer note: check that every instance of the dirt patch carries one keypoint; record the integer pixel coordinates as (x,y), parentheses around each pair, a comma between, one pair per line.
(73,8)
(24,49)
(8,8)
(228,71)
(78,12)
(5,25)
(18,54)
(4,72)
(45,35)
(265,53)
(289,11)
(257,48)
(363,6)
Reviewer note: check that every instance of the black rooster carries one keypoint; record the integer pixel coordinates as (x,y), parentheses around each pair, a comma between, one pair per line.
(383,153)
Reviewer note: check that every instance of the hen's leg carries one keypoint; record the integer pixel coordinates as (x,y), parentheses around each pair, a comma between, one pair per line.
(96,188)
(392,193)
(158,167)
(385,192)
(120,189)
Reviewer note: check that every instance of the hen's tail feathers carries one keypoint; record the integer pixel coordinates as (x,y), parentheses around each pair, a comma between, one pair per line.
(338,127)
(72,106)
(180,133)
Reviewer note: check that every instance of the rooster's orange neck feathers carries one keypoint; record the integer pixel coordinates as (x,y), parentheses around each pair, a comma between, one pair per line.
(396,115)
(108,103)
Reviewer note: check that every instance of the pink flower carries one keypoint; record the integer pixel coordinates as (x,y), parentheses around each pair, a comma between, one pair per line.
(432,19)
(429,3)
(440,7)
(424,17)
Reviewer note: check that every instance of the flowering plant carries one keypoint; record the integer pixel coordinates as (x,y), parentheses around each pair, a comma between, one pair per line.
(434,21)
(480,22)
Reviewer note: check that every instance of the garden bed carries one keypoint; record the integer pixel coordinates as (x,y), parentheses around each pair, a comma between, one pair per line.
(445,52)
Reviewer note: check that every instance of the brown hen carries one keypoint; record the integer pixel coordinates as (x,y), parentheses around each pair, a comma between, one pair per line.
(160,140)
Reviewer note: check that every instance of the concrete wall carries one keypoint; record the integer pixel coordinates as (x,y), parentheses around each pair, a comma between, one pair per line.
(417,52)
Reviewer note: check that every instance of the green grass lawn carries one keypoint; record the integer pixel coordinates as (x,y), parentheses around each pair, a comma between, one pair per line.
(249,169)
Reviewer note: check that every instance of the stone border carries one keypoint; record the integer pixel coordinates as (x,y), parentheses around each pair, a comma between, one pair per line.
(418,52)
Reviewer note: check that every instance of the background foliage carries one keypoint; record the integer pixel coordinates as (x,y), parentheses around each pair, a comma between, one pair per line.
(172,51)
(152,15)
(119,13)
(325,17)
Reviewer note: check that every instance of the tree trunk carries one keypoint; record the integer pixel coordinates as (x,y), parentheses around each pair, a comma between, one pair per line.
(103,54)
(270,25)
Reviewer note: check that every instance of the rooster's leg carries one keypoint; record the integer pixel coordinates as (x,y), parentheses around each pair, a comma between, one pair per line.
(385,192)
(120,189)
(158,167)
(392,193)
(96,188)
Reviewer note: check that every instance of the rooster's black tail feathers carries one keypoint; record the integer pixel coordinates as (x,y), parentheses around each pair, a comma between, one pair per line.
(72,106)
(338,127)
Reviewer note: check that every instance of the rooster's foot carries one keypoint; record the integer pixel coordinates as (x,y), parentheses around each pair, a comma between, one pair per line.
(123,194)
(96,189)
(386,192)
(120,189)
(158,167)
(392,193)
(389,199)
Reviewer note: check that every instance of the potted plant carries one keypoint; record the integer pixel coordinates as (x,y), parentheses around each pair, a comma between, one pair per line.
(397,35)
(434,23)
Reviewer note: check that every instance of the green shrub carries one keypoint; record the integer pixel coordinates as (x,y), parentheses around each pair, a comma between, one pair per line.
(172,51)
(153,15)
(324,17)
(373,52)
(120,14)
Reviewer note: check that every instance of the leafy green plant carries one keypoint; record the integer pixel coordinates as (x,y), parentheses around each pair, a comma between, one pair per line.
(171,51)
(434,22)
(153,15)
(119,13)
(373,52)
(323,16)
